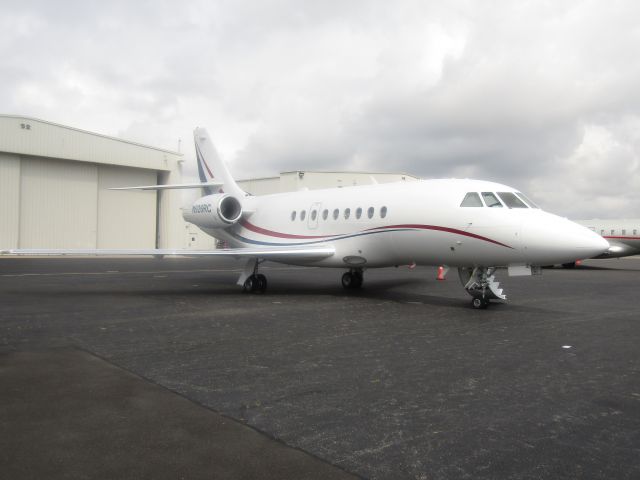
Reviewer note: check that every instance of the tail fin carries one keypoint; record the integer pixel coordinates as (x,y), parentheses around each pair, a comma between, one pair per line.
(211,168)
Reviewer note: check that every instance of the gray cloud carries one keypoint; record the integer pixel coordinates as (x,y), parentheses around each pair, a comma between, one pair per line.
(542,96)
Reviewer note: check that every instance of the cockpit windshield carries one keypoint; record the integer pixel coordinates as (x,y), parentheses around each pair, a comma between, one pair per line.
(511,200)
(491,200)
(497,200)
(526,200)
(471,199)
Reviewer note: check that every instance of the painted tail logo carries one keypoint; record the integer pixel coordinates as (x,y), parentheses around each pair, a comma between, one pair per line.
(202,167)
(210,163)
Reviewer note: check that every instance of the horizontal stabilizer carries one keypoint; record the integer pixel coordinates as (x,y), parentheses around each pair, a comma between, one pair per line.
(175,186)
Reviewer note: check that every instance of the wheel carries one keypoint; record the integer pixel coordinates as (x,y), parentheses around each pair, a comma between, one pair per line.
(569,265)
(479,303)
(249,284)
(261,283)
(347,280)
(352,279)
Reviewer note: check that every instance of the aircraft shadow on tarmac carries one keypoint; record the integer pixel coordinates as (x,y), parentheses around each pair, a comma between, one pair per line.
(592,267)
(386,290)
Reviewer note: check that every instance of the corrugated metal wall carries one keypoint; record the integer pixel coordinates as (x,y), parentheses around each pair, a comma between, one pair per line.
(126,219)
(9,200)
(49,203)
(58,204)
(261,186)
(30,136)
(70,174)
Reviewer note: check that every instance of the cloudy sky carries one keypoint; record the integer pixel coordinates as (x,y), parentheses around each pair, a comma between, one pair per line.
(540,95)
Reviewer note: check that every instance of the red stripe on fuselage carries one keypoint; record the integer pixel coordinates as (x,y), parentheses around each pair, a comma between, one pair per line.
(455,231)
(449,230)
(271,233)
(620,237)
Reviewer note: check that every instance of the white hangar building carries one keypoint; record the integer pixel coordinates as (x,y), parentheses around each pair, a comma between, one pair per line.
(55,180)
(54,183)
(298,180)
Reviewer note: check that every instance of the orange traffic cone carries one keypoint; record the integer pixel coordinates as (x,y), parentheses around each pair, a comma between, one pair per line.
(440,273)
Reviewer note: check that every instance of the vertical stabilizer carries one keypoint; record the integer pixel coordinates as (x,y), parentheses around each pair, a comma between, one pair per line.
(211,168)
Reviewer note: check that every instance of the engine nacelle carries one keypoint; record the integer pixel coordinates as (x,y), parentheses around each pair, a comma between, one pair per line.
(214,211)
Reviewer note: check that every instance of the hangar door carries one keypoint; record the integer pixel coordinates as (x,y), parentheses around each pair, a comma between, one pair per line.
(58,201)
(126,218)
(66,204)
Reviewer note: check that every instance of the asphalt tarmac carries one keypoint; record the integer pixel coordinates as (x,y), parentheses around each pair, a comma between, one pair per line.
(149,368)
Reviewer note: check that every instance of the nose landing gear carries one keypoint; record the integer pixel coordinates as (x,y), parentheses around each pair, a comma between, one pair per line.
(480,283)
(353,279)
(480,303)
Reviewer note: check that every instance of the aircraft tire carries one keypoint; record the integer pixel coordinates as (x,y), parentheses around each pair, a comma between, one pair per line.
(347,280)
(249,284)
(261,283)
(358,279)
(352,280)
(479,303)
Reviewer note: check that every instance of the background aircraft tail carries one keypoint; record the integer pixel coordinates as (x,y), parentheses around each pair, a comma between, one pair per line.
(211,168)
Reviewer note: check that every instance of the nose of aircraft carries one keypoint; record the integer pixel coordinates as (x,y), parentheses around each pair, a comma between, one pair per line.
(594,243)
(549,239)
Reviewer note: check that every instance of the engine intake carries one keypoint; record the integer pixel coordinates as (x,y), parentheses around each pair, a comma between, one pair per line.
(214,211)
(229,209)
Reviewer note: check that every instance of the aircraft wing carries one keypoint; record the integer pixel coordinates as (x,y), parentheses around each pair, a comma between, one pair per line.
(271,253)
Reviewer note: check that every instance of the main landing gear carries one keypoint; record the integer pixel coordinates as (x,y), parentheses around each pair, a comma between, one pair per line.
(255,284)
(250,280)
(353,279)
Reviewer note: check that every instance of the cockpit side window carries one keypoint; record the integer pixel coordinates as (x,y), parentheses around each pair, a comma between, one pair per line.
(511,200)
(526,200)
(491,200)
(471,199)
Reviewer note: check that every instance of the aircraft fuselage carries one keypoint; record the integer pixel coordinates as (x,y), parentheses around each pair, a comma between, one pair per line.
(405,223)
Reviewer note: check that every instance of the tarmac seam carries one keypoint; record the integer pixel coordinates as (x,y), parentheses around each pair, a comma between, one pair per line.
(235,420)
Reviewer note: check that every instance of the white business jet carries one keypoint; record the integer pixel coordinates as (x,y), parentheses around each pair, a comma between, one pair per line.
(623,236)
(476,226)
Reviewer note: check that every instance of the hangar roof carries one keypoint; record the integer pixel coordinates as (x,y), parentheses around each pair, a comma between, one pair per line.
(32,136)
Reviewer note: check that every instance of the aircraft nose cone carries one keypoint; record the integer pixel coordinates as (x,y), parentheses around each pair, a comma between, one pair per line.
(597,245)
(553,240)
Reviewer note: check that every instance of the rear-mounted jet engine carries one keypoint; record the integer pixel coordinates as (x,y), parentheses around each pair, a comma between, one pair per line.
(214,211)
